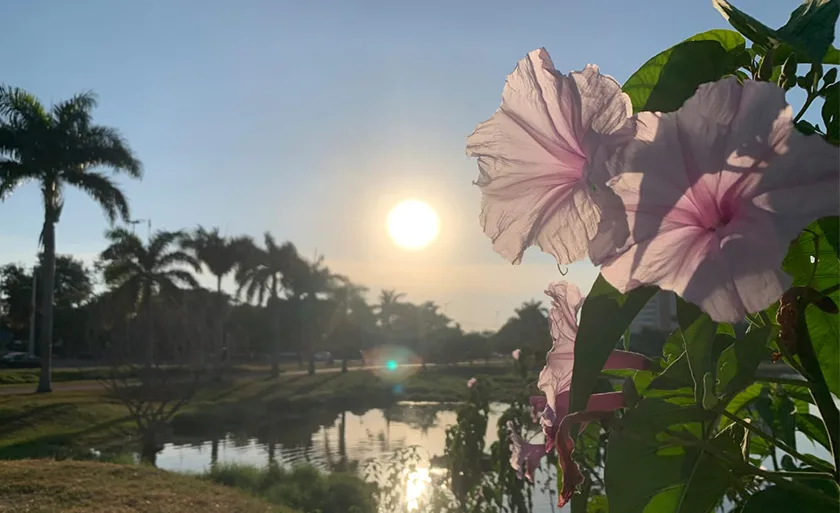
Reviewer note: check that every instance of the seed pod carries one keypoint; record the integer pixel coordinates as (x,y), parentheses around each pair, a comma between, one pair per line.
(786,317)
(765,67)
(804,83)
(787,82)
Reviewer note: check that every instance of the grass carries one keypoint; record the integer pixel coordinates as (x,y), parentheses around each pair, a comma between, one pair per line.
(69,423)
(92,374)
(47,486)
(302,487)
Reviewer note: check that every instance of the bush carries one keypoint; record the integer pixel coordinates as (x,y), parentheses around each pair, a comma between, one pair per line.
(302,487)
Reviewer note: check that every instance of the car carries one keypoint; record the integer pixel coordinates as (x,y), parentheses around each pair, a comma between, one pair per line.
(323,356)
(19,361)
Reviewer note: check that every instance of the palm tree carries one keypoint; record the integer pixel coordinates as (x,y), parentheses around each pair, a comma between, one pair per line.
(263,273)
(138,272)
(307,281)
(59,147)
(388,309)
(220,255)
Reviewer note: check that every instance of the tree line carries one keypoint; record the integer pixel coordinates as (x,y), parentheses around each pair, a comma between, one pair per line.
(284,303)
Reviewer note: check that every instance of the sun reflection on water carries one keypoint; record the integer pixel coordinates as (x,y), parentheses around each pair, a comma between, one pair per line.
(416,485)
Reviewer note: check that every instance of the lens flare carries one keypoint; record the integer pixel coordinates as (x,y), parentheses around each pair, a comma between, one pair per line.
(392,365)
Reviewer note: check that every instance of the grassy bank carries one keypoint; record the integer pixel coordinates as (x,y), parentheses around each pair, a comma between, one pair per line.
(47,486)
(70,423)
(302,487)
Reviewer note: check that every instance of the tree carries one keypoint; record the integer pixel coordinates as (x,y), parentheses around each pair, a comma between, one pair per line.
(220,255)
(138,272)
(353,322)
(59,148)
(528,330)
(307,281)
(387,309)
(261,275)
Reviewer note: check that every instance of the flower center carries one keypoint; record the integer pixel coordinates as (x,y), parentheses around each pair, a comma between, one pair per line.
(725,213)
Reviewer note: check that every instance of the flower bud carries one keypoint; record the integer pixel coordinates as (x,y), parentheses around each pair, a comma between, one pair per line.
(830,76)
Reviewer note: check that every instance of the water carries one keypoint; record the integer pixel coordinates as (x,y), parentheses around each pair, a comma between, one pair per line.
(373,434)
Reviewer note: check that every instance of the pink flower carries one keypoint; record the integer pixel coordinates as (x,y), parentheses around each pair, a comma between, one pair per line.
(556,378)
(714,193)
(542,157)
(516,353)
(471,383)
(524,457)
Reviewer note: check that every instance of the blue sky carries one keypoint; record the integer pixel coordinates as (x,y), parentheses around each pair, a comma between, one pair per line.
(311,119)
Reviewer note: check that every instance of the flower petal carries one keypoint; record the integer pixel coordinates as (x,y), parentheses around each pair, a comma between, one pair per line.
(536,153)
(712,195)
(524,457)
(600,406)
(556,377)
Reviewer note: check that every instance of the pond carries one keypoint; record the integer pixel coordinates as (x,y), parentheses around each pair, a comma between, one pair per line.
(374,434)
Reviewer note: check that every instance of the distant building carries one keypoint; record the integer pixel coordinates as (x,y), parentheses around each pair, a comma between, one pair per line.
(659,314)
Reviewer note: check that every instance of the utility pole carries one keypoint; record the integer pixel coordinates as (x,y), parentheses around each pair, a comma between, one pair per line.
(135,222)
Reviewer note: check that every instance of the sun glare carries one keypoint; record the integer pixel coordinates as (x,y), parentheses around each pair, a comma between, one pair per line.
(413,224)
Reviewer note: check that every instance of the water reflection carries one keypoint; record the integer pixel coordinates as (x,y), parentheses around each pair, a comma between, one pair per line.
(416,488)
(339,440)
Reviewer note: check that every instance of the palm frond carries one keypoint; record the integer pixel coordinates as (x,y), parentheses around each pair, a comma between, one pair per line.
(160,241)
(181,276)
(174,258)
(74,113)
(104,146)
(103,190)
(12,176)
(118,272)
(20,108)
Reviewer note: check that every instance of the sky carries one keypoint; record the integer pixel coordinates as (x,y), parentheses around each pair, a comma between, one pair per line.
(312,119)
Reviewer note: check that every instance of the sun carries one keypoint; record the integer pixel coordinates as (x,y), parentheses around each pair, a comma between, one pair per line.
(413,224)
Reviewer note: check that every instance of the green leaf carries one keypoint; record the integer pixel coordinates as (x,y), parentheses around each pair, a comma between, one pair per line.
(810,28)
(645,472)
(738,362)
(673,347)
(824,328)
(809,32)
(669,78)
(813,427)
(596,339)
(782,500)
(744,398)
(832,56)
(698,333)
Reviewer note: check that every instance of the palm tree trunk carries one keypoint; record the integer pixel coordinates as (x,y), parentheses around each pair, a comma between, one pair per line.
(220,333)
(150,333)
(48,291)
(275,325)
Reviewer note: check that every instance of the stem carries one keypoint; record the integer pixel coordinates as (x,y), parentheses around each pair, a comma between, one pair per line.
(820,392)
(769,439)
(798,475)
(808,101)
